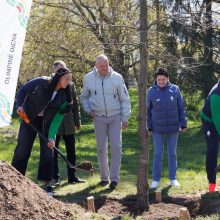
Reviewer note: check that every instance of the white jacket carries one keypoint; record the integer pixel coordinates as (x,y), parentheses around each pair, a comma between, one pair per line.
(107,96)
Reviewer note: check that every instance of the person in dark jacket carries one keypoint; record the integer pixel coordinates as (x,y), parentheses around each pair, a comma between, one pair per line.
(71,122)
(166,116)
(40,99)
(211,128)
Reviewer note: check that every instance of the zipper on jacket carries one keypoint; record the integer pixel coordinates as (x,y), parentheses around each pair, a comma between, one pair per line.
(104,98)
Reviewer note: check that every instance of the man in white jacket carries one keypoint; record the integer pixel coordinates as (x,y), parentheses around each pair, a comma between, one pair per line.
(105,98)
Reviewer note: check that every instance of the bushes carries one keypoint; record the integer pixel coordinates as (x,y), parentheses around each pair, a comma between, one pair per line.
(194,103)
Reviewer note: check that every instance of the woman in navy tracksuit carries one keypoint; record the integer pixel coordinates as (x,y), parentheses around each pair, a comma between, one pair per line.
(211,127)
(165,117)
(40,99)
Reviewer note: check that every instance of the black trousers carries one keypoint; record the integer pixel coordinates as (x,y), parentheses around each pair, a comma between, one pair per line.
(26,137)
(71,156)
(212,141)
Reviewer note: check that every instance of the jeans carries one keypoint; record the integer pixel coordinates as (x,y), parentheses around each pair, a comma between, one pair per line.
(158,141)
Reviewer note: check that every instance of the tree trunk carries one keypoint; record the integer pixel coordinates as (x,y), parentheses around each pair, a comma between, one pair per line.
(142,183)
(207,68)
(156,65)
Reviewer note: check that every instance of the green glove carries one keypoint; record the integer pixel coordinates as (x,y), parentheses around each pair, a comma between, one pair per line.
(56,122)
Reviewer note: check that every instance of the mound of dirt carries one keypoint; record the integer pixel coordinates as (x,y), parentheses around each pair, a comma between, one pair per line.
(20,198)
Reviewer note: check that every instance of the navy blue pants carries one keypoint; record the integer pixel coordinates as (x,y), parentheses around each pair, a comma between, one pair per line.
(212,141)
(26,137)
(71,156)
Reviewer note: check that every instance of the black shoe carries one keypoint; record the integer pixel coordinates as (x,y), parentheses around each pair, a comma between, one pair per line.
(56,182)
(75,180)
(113,185)
(103,183)
(49,191)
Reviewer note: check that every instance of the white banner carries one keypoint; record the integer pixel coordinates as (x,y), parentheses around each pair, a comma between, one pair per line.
(14,15)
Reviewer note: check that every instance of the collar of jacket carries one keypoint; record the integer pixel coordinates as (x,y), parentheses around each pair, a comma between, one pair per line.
(157,87)
(97,74)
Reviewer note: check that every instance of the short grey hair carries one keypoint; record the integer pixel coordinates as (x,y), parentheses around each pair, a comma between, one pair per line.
(101,57)
(59,63)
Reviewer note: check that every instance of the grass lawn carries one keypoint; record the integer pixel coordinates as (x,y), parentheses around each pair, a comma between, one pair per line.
(191,160)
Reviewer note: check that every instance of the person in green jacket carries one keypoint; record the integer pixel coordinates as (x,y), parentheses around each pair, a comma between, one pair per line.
(71,122)
(211,129)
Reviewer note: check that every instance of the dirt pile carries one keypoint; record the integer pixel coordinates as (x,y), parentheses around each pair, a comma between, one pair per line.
(20,198)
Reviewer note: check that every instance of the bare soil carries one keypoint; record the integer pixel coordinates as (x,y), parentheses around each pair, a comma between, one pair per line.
(169,208)
(21,199)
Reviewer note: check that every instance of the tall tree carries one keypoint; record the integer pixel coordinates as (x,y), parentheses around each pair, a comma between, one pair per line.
(207,69)
(142,181)
(105,26)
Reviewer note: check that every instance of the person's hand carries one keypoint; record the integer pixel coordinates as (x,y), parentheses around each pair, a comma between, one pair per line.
(92,114)
(183,129)
(148,133)
(124,125)
(51,143)
(20,109)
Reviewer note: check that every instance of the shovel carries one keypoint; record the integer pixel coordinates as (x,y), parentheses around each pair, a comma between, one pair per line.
(85,166)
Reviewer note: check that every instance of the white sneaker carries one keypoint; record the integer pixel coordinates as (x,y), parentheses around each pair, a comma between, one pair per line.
(154,184)
(174,183)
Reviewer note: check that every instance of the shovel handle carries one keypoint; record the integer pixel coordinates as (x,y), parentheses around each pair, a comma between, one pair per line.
(24,117)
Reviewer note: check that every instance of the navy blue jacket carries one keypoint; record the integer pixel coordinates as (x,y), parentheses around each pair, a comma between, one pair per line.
(165,109)
(35,96)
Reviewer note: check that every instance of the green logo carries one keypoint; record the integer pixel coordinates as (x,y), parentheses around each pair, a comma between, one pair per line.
(22,8)
(5,115)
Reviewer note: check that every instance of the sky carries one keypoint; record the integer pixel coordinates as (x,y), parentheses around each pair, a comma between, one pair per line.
(216,12)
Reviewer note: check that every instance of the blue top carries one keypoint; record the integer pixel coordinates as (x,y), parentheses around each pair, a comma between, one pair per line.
(165,109)
(27,88)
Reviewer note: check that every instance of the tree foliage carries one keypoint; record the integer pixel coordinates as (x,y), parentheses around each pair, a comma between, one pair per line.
(182,36)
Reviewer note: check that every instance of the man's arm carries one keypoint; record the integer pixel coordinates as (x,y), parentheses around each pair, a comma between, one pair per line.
(125,101)
(84,97)
(76,107)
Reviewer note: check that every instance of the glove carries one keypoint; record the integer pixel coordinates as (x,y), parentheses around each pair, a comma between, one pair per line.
(67,109)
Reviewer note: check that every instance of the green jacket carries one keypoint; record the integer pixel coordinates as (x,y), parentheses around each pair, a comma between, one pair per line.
(73,118)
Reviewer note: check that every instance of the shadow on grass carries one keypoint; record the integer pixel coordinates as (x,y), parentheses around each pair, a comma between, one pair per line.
(80,197)
(165,190)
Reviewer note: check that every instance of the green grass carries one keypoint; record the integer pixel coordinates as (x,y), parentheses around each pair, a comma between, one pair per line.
(191,160)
